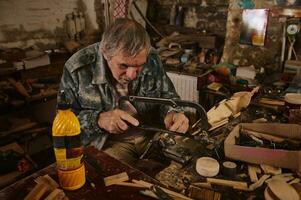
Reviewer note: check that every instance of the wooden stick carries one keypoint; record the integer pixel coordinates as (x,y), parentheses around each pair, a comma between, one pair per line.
(130,184)
(252,173)
(172,193)
(259,183)
(202,184)
(148,193)
(234,184)
(264,136)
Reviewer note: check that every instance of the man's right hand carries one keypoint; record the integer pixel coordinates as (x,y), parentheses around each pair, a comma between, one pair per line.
(116,121)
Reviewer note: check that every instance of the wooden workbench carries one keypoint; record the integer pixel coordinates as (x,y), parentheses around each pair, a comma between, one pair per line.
(109,166)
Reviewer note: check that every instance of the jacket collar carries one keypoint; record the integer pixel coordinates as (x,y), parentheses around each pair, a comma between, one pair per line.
(100,69)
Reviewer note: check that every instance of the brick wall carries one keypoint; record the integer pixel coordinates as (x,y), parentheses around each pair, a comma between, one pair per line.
(42,22)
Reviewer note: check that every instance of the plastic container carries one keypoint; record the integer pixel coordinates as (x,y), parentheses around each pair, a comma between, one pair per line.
(68,149)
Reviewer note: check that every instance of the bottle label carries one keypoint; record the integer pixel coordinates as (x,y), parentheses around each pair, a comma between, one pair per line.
(68,159)
(67,141)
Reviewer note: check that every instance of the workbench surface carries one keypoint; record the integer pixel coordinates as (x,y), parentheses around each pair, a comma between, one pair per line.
(109,166)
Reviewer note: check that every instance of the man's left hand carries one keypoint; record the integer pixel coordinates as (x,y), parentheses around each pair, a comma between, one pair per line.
(175,121)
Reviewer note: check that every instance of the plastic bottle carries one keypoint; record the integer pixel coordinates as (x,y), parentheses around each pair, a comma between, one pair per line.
(68,148)
(70,27)
(172,15)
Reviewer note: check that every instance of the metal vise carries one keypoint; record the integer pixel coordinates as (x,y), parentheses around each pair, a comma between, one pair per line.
(176,146)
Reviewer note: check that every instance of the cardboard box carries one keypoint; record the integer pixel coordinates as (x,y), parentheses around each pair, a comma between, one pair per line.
(275,157)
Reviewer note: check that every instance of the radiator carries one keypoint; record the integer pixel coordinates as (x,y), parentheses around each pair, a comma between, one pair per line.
(186,87)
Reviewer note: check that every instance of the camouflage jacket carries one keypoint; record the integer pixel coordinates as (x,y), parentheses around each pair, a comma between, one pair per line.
(88,89)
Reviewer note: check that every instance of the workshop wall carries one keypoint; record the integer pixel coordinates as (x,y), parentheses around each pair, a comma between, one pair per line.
(267,56)
(208,16)
(41,22)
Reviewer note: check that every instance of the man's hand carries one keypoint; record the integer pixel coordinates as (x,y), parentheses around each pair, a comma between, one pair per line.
(175,121)
(115,121)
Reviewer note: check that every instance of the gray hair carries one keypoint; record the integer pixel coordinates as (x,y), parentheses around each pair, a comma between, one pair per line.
(126,36)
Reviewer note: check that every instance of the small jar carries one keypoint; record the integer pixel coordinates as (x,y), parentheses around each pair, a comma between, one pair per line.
(293,107)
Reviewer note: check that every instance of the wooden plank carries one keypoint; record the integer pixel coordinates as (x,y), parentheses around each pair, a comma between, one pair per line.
(273,102)
(117,178)
(234,184)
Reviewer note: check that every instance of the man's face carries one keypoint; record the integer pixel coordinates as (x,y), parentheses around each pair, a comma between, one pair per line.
(125,68)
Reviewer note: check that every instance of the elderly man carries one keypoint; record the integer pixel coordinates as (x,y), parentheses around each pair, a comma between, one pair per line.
(123,63)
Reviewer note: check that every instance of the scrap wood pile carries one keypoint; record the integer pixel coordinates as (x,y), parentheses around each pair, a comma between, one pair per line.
(47,189)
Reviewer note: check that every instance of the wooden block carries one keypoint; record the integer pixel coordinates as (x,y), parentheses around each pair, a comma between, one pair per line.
(37,192)
(47,180)
(203,193)
(252,173)
(111,180)
(268,169)
(56,194)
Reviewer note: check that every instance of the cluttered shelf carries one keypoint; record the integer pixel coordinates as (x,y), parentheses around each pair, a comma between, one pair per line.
(29,81)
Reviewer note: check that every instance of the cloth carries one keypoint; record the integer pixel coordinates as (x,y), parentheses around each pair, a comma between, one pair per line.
(121,9)
(87,86)
(128,151)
